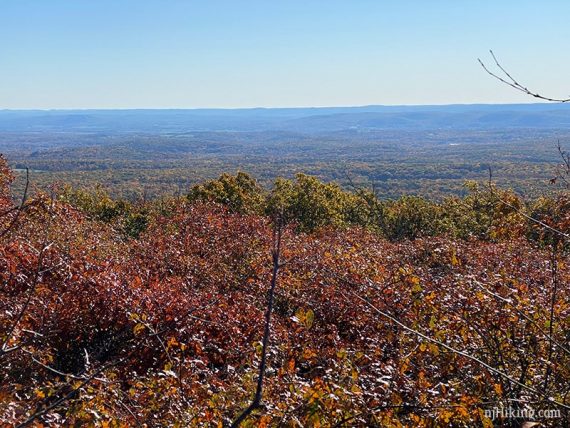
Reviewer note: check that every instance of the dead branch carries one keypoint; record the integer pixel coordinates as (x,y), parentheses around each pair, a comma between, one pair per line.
(509,80)
(276,251)
(454,350)
(18,208)
(34,283)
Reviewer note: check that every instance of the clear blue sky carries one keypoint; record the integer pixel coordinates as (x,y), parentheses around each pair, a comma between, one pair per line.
(241,53)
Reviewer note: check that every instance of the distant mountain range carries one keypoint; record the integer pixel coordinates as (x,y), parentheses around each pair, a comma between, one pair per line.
(302,120)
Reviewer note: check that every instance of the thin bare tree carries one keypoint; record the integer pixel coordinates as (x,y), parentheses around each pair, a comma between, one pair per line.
(275,253)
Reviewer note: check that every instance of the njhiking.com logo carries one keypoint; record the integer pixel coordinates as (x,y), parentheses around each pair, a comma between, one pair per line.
(526,413)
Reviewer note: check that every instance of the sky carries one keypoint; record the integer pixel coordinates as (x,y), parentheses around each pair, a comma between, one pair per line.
(67,54)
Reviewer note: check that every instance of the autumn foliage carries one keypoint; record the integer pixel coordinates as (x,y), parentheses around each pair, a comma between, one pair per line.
(102,327)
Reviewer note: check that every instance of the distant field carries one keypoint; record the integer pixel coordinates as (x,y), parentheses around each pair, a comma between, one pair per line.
(429,151)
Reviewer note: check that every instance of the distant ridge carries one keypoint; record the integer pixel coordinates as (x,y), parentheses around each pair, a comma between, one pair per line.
(303,119)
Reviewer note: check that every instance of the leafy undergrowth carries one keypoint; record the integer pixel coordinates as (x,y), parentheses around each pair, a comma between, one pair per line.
(165,330)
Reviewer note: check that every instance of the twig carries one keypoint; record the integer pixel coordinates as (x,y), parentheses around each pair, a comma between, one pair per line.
(256,402)
(555,283)
(86,381)
(453,350)
(67,396)
(523,315)
(33,285)
(519,211)
(510,81)
(19,208)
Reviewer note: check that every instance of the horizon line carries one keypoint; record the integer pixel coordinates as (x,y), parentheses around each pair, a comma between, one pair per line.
(32,109)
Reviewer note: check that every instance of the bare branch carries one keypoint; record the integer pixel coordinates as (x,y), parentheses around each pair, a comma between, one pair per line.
(520,313)
(70,394)
(19,208)
(500,200)
(509,80)
(554,293)
(454,350)
(35,280)
(562,170)
(256,402)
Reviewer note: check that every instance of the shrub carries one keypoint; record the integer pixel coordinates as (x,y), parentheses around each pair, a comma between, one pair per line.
(313,204)
(411,217)
(240,193)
